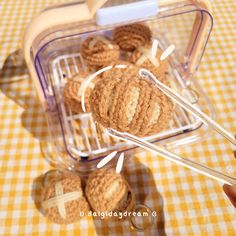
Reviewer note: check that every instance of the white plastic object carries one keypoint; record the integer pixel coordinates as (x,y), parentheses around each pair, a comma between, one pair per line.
(204,170)
(126,12)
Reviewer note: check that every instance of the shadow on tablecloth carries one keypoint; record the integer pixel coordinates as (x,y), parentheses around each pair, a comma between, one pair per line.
(16,85)
(143,184)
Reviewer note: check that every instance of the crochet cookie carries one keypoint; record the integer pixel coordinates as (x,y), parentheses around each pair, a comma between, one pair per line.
(108,191)
(142,57)
(130,103)
(99,51)
(72,93)
(63,201)
(130,37)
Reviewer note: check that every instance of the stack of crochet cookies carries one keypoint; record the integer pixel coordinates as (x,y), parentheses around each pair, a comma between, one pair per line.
(121,98)
(106,192)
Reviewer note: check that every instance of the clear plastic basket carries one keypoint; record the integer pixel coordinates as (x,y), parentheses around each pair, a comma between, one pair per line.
(52,52)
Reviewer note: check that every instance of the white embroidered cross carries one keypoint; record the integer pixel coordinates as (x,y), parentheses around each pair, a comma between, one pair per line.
(149,53)
(60,199)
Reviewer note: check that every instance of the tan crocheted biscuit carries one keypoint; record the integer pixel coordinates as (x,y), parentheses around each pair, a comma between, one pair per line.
(130,103)
(141,57)
(130,37)
(63,201)
(108,191)
(98,51)
(72,94)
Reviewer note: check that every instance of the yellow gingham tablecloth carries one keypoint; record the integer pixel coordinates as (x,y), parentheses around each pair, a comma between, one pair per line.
(186,203)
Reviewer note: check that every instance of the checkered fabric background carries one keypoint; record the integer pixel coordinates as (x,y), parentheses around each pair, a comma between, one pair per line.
(187,203)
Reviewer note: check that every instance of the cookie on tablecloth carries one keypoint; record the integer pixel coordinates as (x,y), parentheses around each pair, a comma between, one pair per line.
(108,191)
(63,201)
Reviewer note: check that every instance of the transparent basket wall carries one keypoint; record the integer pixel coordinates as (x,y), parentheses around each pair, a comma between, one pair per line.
(55,53)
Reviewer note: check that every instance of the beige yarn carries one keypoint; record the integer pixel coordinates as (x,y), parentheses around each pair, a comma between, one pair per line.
(157,67)
(130,37)
(98,51)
